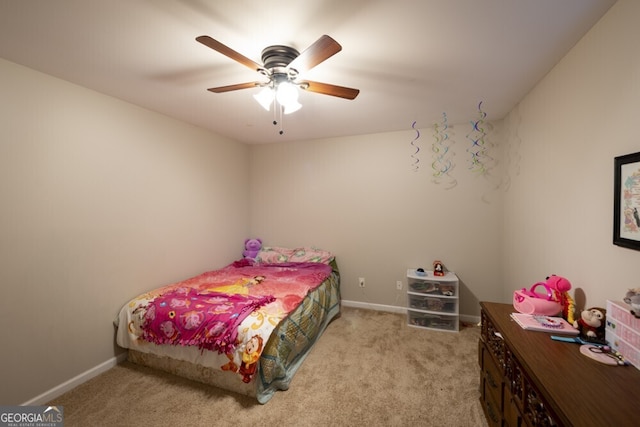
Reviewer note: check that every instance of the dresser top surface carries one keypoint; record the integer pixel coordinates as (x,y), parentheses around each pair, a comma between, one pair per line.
(578,387)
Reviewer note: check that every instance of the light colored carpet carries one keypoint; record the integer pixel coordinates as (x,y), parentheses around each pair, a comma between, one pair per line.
(368,369)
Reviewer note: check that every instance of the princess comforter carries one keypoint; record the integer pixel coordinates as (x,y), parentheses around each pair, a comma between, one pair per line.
(253,324)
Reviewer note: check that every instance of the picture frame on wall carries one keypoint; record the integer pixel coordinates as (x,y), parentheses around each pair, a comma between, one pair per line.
(626,201)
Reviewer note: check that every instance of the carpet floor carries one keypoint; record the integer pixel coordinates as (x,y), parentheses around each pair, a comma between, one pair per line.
(368,369)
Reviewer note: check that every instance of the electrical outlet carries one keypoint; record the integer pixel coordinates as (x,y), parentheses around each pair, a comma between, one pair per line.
(399,285)
(361,282)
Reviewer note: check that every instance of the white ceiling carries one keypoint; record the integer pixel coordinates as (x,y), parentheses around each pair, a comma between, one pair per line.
(412,60)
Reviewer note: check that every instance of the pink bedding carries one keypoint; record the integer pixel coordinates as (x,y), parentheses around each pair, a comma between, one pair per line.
(207,310)
(270,343)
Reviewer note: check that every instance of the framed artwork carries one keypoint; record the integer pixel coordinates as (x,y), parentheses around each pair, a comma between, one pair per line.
(626,201)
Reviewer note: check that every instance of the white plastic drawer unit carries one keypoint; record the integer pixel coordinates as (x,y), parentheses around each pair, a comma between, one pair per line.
(432,301)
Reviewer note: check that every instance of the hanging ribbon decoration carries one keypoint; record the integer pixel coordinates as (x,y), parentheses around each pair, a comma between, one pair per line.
(442,164)
(415,165)
(478,149)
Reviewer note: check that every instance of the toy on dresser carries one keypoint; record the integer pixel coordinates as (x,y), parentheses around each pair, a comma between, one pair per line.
(633,299)
(591,324)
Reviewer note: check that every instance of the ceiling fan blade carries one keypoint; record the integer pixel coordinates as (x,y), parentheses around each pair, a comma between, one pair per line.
(222,89)
(322,49)
(329,89)
(227,51)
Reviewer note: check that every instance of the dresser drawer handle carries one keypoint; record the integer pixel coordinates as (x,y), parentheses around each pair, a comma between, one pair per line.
(492,414)
(490,379)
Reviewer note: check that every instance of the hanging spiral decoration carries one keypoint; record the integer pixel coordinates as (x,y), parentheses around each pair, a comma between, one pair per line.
(439,148)
(415,164)
(442,164)
(478,151)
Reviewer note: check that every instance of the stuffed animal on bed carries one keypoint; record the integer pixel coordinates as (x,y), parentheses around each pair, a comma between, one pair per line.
(251,248)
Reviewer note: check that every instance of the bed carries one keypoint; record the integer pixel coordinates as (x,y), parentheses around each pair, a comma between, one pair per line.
(246,327)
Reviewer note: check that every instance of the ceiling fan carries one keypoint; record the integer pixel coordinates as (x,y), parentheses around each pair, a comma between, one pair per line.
(281,66)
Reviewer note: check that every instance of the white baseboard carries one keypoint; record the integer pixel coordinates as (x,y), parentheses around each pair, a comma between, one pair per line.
(76,381)
(401,310)
(378,307)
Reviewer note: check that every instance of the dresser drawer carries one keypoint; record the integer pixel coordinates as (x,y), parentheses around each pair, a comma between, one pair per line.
(492,381)
(491,412)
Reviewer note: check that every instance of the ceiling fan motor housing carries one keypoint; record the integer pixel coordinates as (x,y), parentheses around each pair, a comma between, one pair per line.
(278,56)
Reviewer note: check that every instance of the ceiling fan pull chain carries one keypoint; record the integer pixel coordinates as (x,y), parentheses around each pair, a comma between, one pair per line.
(281,120)
(275,113)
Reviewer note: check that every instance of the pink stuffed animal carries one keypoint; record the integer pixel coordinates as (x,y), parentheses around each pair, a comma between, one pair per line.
(252,247)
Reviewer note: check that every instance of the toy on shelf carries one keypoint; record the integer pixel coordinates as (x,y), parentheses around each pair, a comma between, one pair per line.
(438,268)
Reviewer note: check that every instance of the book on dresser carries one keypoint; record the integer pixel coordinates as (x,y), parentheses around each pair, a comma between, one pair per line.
(534,322)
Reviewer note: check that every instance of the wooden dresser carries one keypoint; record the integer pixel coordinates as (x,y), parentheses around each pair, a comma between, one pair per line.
(527,379)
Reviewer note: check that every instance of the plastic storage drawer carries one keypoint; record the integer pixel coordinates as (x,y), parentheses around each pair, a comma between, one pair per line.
(434,321)
(429,303)
(431,287)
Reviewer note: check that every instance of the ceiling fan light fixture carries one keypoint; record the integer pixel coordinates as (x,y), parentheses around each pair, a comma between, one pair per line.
(287,94)
(265,97)
(292,107)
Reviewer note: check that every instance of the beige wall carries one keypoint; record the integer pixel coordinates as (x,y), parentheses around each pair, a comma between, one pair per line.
(101,200)
(360,198)
(565,133)
(546,209)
